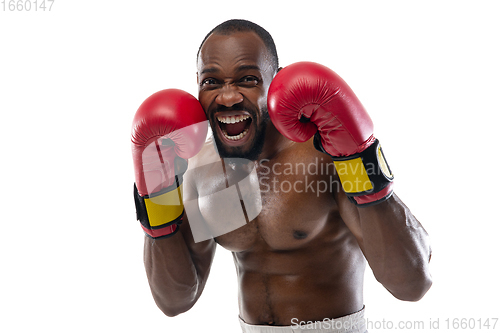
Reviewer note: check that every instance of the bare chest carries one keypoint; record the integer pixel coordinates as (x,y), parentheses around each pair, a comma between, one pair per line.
(280,204)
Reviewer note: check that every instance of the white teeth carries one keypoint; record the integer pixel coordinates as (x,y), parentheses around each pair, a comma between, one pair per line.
(235,137)
(232,119)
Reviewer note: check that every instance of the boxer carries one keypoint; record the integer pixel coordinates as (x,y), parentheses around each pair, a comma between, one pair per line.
(300,256)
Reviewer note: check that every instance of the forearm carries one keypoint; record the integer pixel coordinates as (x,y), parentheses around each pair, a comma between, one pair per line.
(171,273)
(397,248)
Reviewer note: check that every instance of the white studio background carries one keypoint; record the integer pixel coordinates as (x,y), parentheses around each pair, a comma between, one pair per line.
(71,80)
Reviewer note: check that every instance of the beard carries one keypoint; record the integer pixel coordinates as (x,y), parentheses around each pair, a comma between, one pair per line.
(256,145)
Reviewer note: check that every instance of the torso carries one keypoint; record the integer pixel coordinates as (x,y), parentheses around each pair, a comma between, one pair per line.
(296,258)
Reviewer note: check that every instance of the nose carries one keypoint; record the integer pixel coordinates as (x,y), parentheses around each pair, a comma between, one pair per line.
(229,96)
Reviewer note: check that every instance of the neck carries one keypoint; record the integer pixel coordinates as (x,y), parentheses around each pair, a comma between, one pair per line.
(275,142)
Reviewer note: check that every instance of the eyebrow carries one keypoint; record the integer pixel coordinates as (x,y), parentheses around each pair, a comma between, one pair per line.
(209,70)
(247,67)
(240,69)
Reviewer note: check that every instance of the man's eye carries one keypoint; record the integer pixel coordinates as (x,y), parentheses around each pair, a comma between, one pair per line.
(209,82)
(249,80)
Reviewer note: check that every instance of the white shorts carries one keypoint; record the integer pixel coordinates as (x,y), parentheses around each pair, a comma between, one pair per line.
(353,323)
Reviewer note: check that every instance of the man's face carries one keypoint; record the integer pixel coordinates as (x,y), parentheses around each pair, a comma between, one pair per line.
(234,74)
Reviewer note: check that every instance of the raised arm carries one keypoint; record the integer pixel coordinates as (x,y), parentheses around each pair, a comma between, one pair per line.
(169,127)
(307,99)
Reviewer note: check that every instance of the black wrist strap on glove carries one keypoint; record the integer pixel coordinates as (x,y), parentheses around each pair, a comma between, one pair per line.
(160,213)
(361,174)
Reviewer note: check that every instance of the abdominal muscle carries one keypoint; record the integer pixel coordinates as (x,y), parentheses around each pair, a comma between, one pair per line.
(282,278)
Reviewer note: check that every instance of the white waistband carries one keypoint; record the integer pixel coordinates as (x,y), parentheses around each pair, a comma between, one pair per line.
(353,323)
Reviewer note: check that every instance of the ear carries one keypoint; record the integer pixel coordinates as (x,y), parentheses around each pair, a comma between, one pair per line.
(279,68)
(277,71)
(197,79)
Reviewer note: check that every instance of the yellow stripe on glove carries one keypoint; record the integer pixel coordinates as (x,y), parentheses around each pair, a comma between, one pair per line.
(164,208)
(353,175)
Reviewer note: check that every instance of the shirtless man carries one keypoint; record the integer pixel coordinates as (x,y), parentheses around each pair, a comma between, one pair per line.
(302,257)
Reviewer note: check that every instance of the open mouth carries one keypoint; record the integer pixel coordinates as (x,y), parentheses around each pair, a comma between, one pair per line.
(234,127)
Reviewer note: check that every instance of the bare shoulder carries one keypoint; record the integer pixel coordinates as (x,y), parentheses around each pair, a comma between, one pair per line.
(207,155)
(197,166)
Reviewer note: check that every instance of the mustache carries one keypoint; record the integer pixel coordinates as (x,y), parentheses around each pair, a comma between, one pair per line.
(235,107)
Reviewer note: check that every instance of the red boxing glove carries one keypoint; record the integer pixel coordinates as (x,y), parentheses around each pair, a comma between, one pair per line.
(169,125)
(307,99)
